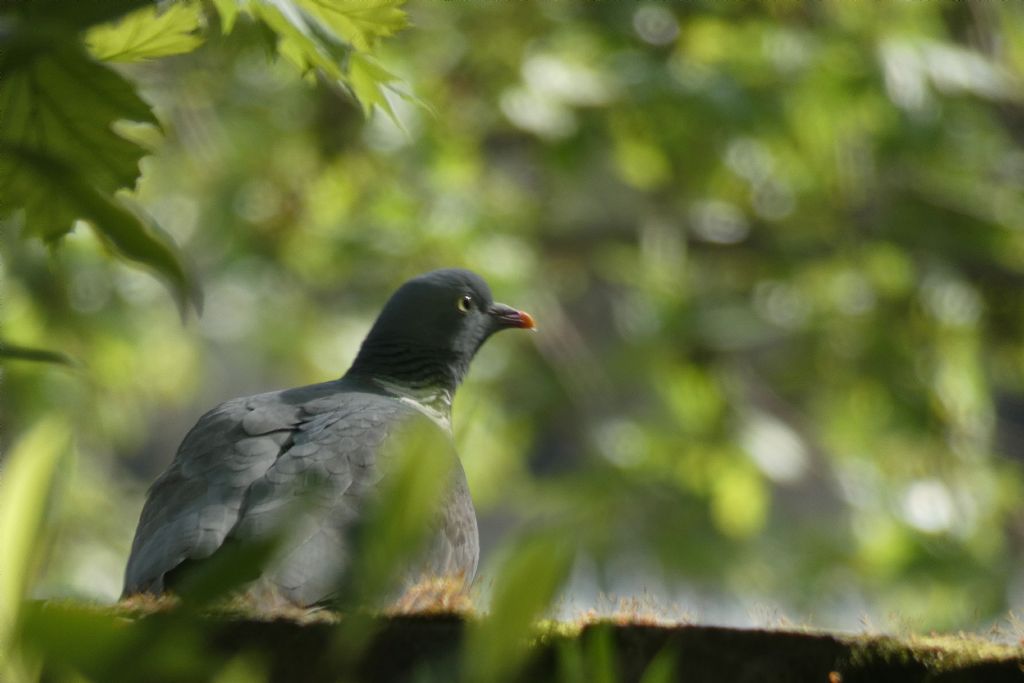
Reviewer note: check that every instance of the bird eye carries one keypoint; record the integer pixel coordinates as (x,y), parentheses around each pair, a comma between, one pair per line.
(464,303)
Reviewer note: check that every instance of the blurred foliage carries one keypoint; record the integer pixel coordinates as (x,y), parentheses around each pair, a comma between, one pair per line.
(392,532)
(29,476)
(530,575)
(775,253)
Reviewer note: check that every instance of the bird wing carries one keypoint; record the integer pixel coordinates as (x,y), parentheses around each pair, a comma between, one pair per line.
(294,467)
(315,492)
(191,507)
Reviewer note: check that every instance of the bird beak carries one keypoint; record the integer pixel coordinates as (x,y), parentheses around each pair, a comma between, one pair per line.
(510,317)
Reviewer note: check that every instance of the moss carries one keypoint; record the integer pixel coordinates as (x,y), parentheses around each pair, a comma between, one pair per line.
(293,644)
(936,653)
(548,629)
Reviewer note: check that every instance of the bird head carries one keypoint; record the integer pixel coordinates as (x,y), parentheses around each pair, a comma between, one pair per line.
(432,326)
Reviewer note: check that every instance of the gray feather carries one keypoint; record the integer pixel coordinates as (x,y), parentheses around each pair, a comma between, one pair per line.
(306,458)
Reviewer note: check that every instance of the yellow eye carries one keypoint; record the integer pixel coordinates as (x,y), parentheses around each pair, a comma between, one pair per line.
(464,303)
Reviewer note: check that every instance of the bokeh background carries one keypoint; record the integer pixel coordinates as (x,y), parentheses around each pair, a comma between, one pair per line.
(776,254)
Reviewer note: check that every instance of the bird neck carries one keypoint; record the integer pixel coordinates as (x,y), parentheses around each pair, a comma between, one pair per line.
(434,403)
(427,376)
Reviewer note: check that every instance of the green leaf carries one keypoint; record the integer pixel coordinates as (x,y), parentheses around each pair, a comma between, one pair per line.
(228,11)
(74,15)
(661,669)
(300,39)
(15,352)
(335,36)
(600,654)
(84,642)
(528,580)
(116,225)
(62,159)
(362,23)
(368,80)
(25,491)
(148,33)
(59,104)
(370,83)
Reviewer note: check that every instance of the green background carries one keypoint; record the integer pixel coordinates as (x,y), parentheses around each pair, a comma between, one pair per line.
(775,252)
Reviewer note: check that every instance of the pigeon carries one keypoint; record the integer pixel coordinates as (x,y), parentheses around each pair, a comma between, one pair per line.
(250,458)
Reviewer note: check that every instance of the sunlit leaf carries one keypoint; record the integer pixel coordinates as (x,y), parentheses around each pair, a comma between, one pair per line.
(26,486)
(148,33)
(369,81)
(361,22)
(299,37)
(335,37)
(228,11)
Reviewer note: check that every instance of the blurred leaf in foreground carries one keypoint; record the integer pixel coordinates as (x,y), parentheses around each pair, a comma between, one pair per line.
(78,642)
(390,538)
(416,467)
(26,488)
(530,576)
(9,352)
